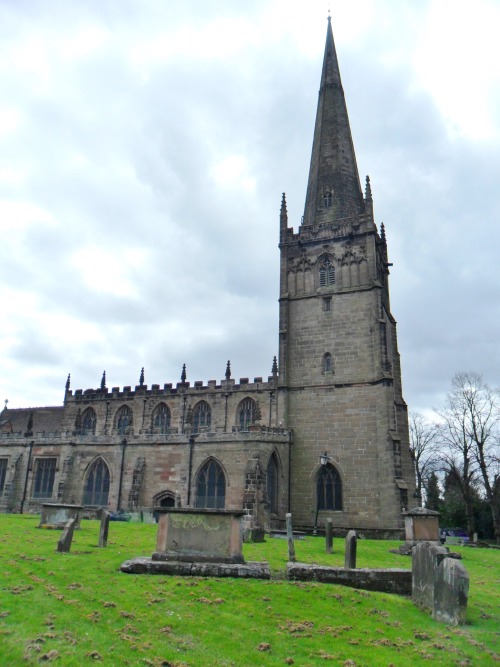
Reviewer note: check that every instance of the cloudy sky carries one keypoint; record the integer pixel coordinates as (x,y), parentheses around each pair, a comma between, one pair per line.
(144,147)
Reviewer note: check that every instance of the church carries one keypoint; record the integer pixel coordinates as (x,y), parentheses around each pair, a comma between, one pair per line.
(325,435)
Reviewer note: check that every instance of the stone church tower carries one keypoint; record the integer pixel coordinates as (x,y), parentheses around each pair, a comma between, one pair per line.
(338,355)
(325,435)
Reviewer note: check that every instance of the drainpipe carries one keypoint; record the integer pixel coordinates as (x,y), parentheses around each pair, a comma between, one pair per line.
(289,470)
(27,476)
(122,466)
(226,395)
(191,447)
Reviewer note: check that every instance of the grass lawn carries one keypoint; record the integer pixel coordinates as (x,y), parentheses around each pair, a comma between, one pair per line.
(79,609)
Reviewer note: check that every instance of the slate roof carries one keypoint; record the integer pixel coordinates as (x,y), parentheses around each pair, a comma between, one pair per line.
(44,419)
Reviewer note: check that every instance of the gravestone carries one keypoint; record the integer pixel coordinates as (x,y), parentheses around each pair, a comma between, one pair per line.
(329,536)
(289,536)
(426,559)
(57,515)
(451,592)
(104,529)
(64,544)
(350,550)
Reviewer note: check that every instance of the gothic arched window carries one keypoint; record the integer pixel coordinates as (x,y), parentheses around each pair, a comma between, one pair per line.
(327,363)
(161,419)
(211,486)
(123,420)
(327,199)
(202,416)
(96,490)
(326,274)
(247,413)
(273,483)
(329,488)
(89,419)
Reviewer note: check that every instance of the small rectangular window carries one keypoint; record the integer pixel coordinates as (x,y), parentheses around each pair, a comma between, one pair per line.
(45,472)
(3,474)
(327,304)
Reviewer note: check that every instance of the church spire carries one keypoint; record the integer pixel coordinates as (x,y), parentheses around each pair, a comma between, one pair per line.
(333,190)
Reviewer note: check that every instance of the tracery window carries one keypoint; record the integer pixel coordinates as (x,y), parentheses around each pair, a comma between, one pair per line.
(273,483)
(96,489)
(326,274)
(123,420)
(3,474)
(89,419)
(202,416)
(329,488)
(247,413)
(327,199)
(211,486)
(161,418)
(43,481)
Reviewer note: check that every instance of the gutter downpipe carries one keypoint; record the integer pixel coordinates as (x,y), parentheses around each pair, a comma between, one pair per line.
(122,466)
(27,476)
(289,470)
(191,447)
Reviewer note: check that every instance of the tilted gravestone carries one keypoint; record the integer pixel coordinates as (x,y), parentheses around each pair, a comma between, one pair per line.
(329,536)
(350,550)
(104,528)
(451,592)
(425,561)
(64,544)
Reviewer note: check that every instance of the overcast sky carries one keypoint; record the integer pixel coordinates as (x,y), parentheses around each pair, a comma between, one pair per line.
(144,147)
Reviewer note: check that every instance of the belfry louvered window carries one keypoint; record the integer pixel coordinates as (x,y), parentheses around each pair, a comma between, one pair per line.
(326,274)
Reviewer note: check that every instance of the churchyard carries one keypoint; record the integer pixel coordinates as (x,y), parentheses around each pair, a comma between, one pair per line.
(78,608)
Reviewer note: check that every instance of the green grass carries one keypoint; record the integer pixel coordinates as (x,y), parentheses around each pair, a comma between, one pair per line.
(79,609)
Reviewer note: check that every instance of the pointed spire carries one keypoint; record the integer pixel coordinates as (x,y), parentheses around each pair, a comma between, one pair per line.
(333,190)
(183,374)
(29,428)
(228,370)
(382,233)
(103,380)
(141,378)
(274,369)
(283,212)
(368,190)
(68,382)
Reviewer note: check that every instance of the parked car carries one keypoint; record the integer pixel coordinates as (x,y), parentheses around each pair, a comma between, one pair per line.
(455,534)
(119,516)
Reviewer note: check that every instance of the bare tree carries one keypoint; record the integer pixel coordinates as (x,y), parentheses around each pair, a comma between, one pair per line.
(422,449)
(469,434)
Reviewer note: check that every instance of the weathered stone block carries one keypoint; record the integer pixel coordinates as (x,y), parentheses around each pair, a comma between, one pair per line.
(451,592)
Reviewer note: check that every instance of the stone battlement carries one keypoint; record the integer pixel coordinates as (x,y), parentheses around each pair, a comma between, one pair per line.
(168,389)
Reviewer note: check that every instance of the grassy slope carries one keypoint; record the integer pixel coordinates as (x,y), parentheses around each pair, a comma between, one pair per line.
(78,608)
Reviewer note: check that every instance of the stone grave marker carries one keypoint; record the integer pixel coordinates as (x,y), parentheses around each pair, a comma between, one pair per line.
(329,536)
(350,550)
(451,592)
(64,544)
(426,559)
(104,529)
